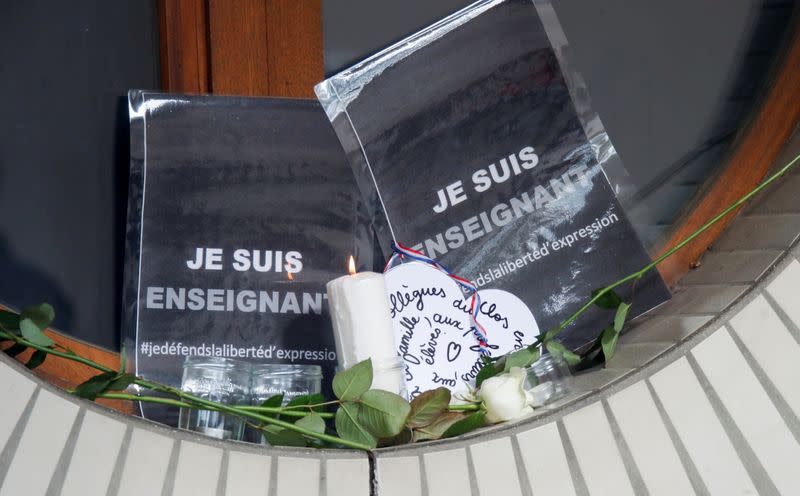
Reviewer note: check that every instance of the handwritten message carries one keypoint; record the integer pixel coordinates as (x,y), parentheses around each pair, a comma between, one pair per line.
(433,331)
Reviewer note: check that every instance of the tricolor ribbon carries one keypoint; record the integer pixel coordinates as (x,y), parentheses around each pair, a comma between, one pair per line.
(402,252)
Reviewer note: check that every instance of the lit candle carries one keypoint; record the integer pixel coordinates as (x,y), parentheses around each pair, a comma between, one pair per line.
(362,326)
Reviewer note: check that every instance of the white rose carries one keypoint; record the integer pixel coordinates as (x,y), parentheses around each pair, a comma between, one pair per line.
(504,398)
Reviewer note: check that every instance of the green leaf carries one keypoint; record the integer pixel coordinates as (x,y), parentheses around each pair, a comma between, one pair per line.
(36,359)
(42,315)
(382,413)
(34,334)
(558,349)
(487,371)
(347,425)
(279,436)
(95,385)
(427,406)
(273,401)
(120,382)
(609,342)
(351,383)
(437,428)
(621,316)
(610,300)
(313,422)
(9,321)
(521,358)
(472,422)
(15,350)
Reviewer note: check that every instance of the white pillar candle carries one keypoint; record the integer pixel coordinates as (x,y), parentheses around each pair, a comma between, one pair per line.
(362,327)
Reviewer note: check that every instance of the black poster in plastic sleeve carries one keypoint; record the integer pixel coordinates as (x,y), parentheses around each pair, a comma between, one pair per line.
(471,142)
(240,211)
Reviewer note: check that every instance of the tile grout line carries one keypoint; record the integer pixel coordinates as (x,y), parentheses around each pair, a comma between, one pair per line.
(578,482)
(473,476)
(222,478)
(423,479)
(689,467)
(323,475)
(373,480)
(787,321)
(628,460)
(62,466)
(273,476)
(522,472)
(7,454)
(119,463)
(775,396)
(172,467)
(752,464)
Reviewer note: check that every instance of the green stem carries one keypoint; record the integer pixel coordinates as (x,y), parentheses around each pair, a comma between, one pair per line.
(309,407)
(51,351)
(210,405)
(182,404)
(469,407)
(644,270)
(244,413)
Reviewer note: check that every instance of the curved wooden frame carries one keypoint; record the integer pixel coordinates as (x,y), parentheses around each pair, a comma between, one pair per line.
(205,49)
(754,152)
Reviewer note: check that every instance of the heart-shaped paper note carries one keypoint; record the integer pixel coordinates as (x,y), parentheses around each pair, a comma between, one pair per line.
(433,331)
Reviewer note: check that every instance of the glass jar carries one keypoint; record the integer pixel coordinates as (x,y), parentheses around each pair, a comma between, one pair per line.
(269,379)
(547,380)
(216,379)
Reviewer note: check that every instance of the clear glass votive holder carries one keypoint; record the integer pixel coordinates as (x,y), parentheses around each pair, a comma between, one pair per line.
(270,379)
(547,380)
(216,379)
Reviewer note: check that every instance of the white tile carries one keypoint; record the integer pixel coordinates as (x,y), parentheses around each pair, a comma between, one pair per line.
(16,391)
(649,442)
(447,472)
(197,473)
(145,464)
(773,347)
(495,468)
(697,425)
(40,447)
(545,461)
(751,409)
(596,451)
(298,476)
(399,476)
(785,289)
(248,473)
(96,450)
(347,476)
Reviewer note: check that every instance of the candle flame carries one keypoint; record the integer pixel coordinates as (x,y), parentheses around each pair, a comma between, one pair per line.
(351,265)
(289,276)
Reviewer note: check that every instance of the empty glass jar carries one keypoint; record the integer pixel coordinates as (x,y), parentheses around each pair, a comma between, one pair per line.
(269,379)
(217,379)
(547,380)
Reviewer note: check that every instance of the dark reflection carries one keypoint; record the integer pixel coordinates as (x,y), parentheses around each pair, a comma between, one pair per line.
(31,286)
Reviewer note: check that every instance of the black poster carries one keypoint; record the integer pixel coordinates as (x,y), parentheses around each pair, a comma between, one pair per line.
(467,144)
(241,209)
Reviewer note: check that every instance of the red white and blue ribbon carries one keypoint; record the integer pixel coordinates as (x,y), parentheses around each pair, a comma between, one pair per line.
(403,252)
